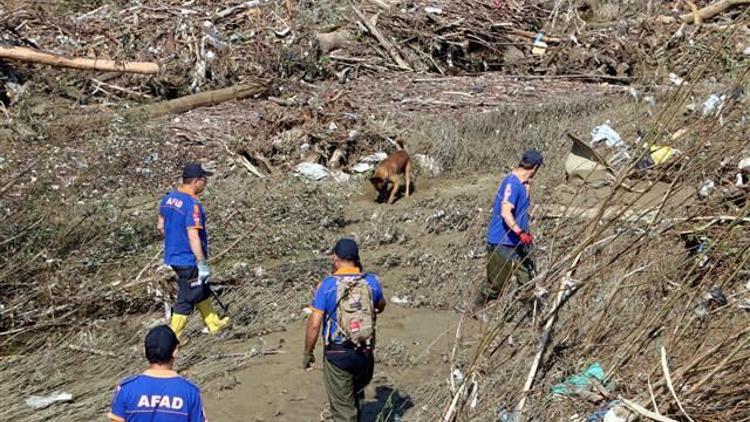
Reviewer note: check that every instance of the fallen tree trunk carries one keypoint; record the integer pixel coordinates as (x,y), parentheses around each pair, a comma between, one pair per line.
(203,99)
(708,12)
(34,56)
(75,125)
(712,10)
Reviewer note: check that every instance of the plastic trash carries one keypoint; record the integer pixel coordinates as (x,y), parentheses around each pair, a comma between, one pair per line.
(374,158)
(617,414)
(605,133)
(676,79)
(312,171)
(706,188)
(504,415)
(400,300)
(40,402)
(581,381)
(717,296)
(696,245)
(433,10)
(660,154)
(362,167)
(539,47)
(700,310)
(712,103)
(458,377)
(608,413)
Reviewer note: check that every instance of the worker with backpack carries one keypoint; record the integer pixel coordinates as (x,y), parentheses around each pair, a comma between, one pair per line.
(345,305)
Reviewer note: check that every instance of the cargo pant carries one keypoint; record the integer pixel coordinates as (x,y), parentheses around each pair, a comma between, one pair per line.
(189,290)
(346,373)
(503,262)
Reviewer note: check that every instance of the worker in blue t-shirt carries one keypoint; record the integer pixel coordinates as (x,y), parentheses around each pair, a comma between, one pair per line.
(159,394)
(509,238)
(182,222)
(347,368)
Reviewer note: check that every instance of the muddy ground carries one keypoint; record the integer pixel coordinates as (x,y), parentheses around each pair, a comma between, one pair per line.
(417,332)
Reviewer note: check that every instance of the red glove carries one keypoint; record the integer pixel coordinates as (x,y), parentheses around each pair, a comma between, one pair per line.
(526,238)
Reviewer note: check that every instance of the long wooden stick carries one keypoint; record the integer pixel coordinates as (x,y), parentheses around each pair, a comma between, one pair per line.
(240,7)
(392,51)
(668,379)
(712,10)
(35,56)
(14,178)
(645,412)
(547,334)
(178,105)
(91,350)
(203,99)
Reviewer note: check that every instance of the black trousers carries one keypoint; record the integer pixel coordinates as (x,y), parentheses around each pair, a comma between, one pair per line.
(189,290)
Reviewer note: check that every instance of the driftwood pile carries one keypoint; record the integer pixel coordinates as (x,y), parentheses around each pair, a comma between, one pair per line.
(207,45)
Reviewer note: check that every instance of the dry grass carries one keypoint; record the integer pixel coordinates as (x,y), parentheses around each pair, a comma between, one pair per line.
(494,140)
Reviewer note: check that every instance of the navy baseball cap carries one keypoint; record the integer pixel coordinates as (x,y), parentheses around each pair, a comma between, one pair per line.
(532,157)
(347,249)
(160,344)
(194,170)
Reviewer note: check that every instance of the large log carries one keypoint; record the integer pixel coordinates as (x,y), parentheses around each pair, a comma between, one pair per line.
(75,124)
(203,99)
(712,10)
(36,56)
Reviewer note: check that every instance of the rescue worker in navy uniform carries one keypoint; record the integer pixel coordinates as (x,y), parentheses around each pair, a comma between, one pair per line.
(509,239)
(347,368)
(159,394)
(182,222)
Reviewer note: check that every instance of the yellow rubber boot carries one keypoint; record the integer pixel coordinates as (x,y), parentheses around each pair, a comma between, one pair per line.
(178,323)
(210,318)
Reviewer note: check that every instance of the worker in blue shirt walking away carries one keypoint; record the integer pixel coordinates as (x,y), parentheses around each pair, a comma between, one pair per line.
(182,222)
(159,394)
(345,305)
(509,238)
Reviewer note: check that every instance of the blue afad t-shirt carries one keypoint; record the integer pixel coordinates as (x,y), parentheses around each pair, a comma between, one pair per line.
(325,301)
(513,192)
(182,211)
(152,397)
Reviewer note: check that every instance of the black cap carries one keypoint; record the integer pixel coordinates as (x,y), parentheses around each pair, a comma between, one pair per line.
(160,344)
(532,158)
(347,249)
(194,170)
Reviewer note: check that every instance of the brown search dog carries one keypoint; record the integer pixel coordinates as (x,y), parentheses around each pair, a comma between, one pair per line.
(388,171)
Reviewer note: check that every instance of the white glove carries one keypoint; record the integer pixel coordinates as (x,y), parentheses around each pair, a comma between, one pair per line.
(204,271)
